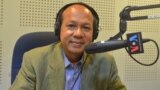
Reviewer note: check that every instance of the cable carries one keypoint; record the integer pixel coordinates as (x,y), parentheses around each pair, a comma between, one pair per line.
(79,72)
(150,64)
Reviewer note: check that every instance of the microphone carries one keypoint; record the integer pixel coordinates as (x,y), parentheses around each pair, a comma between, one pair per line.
(103,46)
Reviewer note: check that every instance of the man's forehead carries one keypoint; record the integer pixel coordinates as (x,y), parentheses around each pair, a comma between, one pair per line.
(77,7)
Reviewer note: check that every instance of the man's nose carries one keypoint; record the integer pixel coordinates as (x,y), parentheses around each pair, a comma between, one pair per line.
(79,32)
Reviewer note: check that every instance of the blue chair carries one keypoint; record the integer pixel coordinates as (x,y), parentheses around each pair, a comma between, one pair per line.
(27,42)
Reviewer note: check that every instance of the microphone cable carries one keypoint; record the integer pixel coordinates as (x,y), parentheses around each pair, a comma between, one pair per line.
(150,64)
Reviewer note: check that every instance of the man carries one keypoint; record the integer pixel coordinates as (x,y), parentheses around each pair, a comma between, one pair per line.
(65,65)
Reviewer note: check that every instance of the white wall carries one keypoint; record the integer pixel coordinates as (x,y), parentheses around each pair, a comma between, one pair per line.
(18,17)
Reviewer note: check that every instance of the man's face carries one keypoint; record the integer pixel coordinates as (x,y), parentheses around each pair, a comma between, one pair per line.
(76,29)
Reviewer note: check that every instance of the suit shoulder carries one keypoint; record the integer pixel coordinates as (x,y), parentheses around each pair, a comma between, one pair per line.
(41,50)
(39,53)
(39,56)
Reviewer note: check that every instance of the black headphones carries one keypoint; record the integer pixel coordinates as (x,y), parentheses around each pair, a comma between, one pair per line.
(58,21)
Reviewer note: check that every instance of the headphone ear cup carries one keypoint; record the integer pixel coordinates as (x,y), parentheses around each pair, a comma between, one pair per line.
(95,32)
(57,28)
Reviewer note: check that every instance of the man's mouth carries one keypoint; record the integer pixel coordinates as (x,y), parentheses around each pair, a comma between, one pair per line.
(76,43)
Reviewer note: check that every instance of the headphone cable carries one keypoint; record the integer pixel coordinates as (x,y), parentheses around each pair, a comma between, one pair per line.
(80,72)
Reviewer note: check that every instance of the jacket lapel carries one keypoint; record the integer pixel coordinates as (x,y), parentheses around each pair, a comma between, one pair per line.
(88,73)
(56,70)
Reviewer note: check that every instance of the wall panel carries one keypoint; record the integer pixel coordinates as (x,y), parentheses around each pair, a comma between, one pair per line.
(18,17)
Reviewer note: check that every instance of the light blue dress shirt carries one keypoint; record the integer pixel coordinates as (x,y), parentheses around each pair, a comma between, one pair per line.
(72,74)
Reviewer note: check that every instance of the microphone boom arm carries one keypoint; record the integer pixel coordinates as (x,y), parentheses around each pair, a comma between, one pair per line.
(122,28)
(125,13)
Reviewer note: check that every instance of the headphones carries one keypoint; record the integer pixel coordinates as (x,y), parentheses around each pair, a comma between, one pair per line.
(58,21)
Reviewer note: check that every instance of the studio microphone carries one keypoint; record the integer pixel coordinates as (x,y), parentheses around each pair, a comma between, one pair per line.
(103,46)
(134,43)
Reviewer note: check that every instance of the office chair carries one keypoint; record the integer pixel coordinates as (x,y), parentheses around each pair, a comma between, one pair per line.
(27,42)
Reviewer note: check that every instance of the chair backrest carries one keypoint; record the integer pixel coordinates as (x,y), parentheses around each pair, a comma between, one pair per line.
(27,42)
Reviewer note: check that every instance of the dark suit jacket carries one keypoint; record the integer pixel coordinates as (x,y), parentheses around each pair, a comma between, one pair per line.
(43,69)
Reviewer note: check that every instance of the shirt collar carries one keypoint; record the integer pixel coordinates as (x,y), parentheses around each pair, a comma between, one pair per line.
(67,62)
